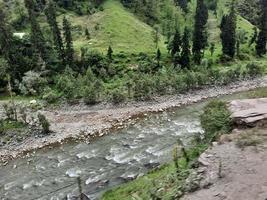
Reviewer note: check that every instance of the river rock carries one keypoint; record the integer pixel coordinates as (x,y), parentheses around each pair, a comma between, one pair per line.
(249,112)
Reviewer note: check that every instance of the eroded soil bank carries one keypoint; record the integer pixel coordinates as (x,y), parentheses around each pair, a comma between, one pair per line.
(234,168)
(82,122)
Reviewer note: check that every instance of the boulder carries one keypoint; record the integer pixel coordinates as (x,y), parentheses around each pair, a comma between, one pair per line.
(249,112)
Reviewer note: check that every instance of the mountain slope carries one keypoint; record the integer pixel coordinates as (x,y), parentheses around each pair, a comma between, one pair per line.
(117,27)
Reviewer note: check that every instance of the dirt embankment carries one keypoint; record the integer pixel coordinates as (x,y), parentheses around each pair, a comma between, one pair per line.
(82,122)
(235,169)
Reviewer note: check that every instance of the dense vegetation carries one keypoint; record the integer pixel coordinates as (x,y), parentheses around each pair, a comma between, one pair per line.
(216,120)
(48,49)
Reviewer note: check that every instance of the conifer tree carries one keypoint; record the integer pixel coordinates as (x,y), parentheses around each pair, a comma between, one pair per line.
(176,43)
(254,37)
(183,4)
(69,51)
(109,53)
(87,34)
(200,35)
(228,32)
(5,39)
(262,37)
(37,36)
(50,12)
(158,57)
(185,55)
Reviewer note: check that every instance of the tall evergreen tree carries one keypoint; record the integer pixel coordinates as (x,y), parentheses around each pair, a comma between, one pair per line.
(109,53)
(262,37)
(6,39)
(50,12)
(186,53)
(228,32)
(37,36)
(176,43)
(158,57)
(200,34)
(69,51)
(183,4)
(253,37)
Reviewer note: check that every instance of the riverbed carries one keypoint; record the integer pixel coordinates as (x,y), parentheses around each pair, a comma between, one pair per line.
(51,173)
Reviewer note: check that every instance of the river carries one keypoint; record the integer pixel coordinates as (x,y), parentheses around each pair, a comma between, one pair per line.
(109,161)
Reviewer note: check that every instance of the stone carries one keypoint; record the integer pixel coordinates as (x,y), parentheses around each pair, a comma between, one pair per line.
(249,112)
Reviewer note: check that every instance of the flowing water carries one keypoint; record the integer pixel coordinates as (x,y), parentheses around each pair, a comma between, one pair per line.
(107,162)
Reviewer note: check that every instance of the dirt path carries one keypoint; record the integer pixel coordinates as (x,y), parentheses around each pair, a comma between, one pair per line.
(243,170)
(82,122)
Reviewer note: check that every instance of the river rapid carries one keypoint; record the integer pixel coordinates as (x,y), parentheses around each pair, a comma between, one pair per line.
(123,155)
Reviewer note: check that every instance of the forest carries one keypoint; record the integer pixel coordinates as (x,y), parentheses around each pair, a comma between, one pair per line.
(49,48)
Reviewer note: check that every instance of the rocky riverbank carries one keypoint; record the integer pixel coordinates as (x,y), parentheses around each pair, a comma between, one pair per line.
(82,122)
(234,168)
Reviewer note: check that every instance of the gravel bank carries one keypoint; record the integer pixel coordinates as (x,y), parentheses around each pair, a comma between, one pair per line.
(83,122)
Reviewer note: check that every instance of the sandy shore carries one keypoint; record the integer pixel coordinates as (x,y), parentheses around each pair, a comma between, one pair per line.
(84,122)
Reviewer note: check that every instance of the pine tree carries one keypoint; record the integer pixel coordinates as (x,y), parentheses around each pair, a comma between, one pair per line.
(50,12)
(6,39)
(109,53)
(200,35)
(87,34)
(212,48)
(176,43)
(158,57)
(183,4)
(69,51)
(262,37)
(228,32)
(185,55)
(37,36)
(254,37)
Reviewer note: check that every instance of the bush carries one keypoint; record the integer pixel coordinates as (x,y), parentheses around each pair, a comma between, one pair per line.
(65,83)
(32,83)
(117,96)
(50,96)
(45,125)
(216,119)
(90,95)
(254,70)
(143,87)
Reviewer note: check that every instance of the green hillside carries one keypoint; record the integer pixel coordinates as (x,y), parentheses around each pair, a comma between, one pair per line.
(128,32)
(117,27)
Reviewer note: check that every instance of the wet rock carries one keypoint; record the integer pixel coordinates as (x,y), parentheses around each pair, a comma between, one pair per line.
(151,165)
(129,177)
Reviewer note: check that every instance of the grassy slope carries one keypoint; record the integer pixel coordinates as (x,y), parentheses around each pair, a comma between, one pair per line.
(116,27)
(125,32)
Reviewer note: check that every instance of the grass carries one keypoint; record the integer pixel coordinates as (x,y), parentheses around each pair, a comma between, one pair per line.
(248,141)
(7,125)
(259,93)
(117,27)
(162,183)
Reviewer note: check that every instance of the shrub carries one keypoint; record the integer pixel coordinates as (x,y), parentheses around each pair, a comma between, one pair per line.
(216,119)
(90,95)
(45,125)
(50,96)
(254,70)
(10,111)
(32,83)
(66,84)
(117,96)
(143,88)
(2,128)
